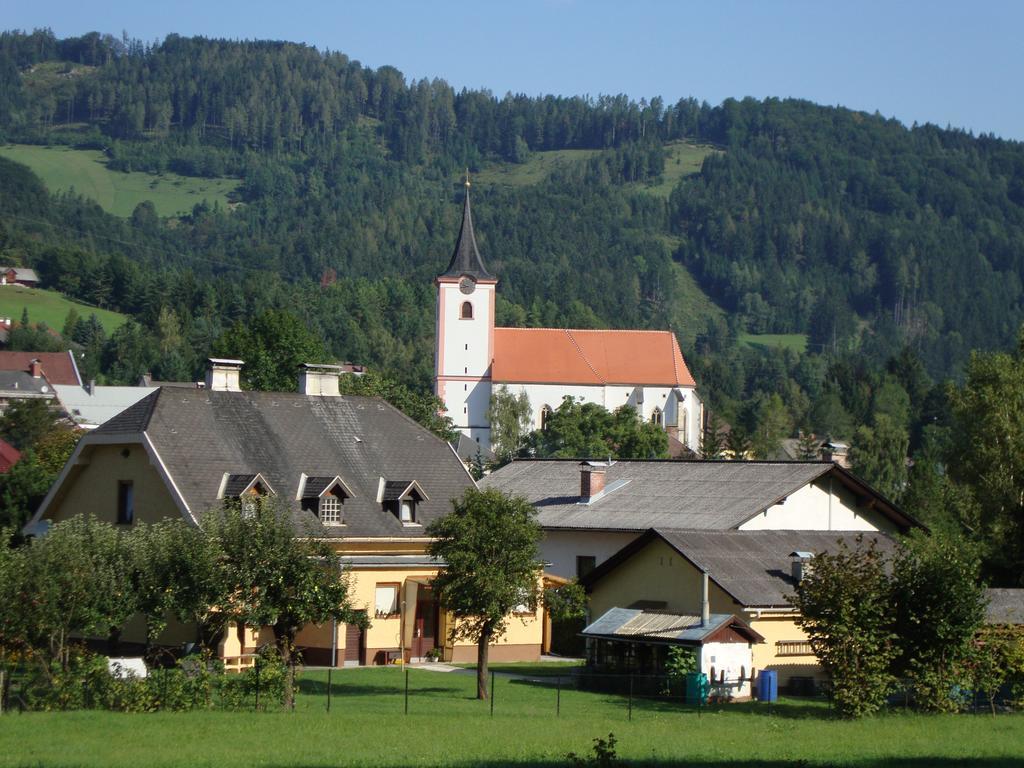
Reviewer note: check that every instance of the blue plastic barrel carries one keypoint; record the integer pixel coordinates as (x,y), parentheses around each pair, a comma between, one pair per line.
(768,685)
(696,688)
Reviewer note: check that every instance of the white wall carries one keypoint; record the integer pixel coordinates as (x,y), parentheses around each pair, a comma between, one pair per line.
(560,548)
(463,357)
(824,505)
(735,659)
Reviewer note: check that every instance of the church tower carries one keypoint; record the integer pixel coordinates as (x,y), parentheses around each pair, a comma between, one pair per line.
(465,335)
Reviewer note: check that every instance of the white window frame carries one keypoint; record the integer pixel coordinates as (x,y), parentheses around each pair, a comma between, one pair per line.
(383,604)
(329,510)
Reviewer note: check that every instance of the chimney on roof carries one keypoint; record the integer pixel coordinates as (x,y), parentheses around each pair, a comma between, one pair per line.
(91,387)
(592,478)
(223,375)
(801,565)
(35,367)
(316,379)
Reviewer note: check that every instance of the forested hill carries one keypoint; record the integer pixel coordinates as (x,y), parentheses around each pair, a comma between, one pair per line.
(855,230)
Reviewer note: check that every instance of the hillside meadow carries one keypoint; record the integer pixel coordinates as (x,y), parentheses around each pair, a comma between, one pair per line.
(51,308)
(84,170)
(446,726)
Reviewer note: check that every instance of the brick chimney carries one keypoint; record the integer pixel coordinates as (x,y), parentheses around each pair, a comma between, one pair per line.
(223,375)
(36,369)
(316,379)
(591,478)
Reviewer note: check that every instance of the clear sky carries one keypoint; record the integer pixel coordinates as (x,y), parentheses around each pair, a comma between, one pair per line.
(957,63)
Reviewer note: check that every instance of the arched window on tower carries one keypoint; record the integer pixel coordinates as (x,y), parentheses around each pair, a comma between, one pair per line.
(658,418)
(545,414)
(467,311)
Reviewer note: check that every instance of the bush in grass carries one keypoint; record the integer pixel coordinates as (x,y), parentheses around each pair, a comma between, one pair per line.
(269,675)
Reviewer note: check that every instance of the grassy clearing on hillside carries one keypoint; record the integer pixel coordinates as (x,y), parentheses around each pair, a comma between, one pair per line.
(63,168)
(446,726)
(681,159)
(795,341)
(537,168)
(51,308)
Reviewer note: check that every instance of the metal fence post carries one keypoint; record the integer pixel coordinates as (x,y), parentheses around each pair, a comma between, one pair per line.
(492,693)
(328,689)
(2,689)
(631,696)
(257,683)
(558,697)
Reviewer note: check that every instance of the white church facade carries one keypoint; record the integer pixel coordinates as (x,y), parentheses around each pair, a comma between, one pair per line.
(642,369)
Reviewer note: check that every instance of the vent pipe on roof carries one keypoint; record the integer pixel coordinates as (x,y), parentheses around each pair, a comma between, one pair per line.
(317,379)
(223,375)
(705,603)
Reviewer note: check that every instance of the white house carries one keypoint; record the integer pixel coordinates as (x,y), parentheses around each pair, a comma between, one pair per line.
(643,369)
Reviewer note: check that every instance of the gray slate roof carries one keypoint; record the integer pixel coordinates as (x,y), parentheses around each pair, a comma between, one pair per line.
(1005,606)
(466,257)
(201,436)
(15,383)
(755,567)
(636,624)
(674,494)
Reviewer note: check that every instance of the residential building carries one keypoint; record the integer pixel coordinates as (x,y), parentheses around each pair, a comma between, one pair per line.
(590,510)
(9,456)
(57,367)
(19,276)
(641,369)
(355,472)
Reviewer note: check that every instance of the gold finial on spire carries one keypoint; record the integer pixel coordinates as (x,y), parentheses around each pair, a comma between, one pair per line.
(467,179)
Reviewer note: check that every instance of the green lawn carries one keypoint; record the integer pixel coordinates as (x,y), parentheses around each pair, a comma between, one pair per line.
(63,168)
(51,308)
(795,341)
(446,726)
(530,669)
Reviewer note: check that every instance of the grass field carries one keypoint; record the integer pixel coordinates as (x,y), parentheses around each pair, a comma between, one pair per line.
(537,168)
(51,308)
(63,168)
(446,726)
(795,341)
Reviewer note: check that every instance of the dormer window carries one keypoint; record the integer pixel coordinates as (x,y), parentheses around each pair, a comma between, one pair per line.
(466,313)
(248,489)
(325,497)
(401,497)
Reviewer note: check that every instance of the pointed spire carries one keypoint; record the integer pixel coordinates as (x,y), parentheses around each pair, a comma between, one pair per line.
(466,257)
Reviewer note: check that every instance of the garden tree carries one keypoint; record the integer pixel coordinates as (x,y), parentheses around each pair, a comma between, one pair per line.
(773,424)
(879,455)
(71,320)
(130,352)
(278,576)
(22,489)
(77,579)
(587,430)
(932,497)
(940,605)
(25,422)
(55,447)
(807,446)
(995,658)
(180,573)
(737,443)
(273,346)
(986,458)
(829,417)
(711,442)
(427,410)
(489,542)
(509,417)
(34,338)
(845,607)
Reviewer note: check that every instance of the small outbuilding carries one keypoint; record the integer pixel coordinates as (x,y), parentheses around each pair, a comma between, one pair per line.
(635,640)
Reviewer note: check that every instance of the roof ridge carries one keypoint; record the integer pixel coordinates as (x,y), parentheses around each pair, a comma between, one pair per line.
(584,330)
(585,360)
(673,346)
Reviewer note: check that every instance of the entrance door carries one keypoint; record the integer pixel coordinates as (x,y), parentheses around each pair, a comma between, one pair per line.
(355,645)
(425,633)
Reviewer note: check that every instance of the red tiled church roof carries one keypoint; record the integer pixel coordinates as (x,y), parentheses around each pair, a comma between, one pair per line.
(9,456)
(559,356)
(58,367)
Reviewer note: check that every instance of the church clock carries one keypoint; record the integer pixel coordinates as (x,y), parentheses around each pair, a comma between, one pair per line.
(467,285)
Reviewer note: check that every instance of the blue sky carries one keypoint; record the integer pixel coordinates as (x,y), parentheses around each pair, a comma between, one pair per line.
(957,63)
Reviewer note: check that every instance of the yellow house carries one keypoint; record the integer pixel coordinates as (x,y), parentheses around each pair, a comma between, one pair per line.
(749,574)
(355,471)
